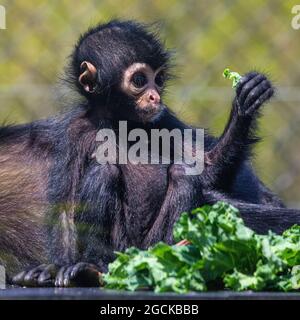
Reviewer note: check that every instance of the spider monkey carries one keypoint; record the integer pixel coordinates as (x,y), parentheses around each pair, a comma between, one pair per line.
(62,214)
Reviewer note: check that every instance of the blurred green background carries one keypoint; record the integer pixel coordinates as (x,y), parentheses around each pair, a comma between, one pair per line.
(207,35)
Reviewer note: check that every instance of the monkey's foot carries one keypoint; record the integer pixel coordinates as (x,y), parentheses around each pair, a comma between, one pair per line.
(79,275)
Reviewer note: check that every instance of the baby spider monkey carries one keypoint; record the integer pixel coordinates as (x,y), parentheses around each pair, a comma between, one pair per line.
(62,214)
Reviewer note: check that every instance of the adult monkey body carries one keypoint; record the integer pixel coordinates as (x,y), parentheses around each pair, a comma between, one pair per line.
(63,212)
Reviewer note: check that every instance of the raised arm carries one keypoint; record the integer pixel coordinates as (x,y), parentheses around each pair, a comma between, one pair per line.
(234,145)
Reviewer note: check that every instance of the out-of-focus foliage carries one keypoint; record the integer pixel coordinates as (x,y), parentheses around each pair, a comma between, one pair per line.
(208,36)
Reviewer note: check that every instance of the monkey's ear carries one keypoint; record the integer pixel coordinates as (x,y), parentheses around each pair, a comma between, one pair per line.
(88,75)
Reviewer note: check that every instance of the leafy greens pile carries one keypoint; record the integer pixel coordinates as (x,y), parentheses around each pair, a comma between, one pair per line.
(223,253)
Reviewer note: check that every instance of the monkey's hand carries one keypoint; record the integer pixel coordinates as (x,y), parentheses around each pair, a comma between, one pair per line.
(79,275)
(252,91)
(41,276)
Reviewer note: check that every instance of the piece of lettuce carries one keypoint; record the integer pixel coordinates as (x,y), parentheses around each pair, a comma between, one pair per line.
(231,75)
(223,253)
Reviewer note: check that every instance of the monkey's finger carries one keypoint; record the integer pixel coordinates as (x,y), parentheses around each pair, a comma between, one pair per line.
(249,86)
(262,99)
(47,277)
(256,92)
(78,268)
(31,278)
(67,277)
(247,77)
(59,280)
(19,278)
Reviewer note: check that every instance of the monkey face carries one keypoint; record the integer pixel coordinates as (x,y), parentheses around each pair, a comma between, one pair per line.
(122,68)
(141,85)
(144,86)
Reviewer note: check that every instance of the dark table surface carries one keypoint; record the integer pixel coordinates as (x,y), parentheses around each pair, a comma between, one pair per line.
(100,294)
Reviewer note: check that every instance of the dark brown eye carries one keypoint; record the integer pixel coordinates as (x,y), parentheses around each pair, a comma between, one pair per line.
(139,80)
(160,79)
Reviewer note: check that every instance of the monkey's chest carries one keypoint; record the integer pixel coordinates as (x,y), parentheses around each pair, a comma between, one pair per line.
(145,187)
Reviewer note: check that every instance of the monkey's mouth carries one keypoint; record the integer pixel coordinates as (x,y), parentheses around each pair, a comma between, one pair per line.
(150,113)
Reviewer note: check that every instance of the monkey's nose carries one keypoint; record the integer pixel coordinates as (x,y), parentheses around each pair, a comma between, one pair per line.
(154,98)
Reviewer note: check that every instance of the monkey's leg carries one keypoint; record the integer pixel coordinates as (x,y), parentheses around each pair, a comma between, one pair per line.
(98,205)
(260,218)
(233,146)
(183,194)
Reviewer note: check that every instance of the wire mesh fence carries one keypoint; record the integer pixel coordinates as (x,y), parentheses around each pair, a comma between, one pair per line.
(207,35)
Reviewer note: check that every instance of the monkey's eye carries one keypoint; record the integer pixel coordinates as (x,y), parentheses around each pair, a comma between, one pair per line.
(160,79)
(139,80)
